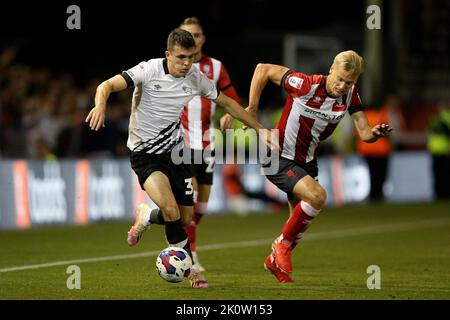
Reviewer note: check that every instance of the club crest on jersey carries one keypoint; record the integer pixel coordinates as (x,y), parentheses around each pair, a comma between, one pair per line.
(187,89)
(295,82)
(338,107)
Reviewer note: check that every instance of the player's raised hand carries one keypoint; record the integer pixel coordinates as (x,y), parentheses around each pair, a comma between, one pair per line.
(381,130)
(96,118)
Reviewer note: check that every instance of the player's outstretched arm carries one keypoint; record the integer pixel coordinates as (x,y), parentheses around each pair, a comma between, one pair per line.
(226,121)
(96,116)
(238,112)
(366,133)
(263,73)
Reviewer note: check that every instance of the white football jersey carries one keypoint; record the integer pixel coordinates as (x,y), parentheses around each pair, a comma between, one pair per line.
(158,102)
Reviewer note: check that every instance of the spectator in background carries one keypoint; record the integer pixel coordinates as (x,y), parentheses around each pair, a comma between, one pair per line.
(68,144)
(377,154)
(105,143)
(37,102)
(439,148)
(43,151)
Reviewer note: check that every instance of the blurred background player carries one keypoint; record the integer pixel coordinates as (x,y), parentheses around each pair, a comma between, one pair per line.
(314,107)
(163,88)
(197,120)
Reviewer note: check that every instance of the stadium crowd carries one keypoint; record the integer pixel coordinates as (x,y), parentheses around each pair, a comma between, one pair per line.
(42,114)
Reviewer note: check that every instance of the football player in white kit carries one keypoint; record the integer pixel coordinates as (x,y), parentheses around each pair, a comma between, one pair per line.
(165,85)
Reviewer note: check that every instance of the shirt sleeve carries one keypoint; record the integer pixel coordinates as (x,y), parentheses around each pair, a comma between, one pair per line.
(138,74)
(296,83)
(207,88)
(355,104)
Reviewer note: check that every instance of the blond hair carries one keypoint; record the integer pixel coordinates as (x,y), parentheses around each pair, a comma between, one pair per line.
(349,61)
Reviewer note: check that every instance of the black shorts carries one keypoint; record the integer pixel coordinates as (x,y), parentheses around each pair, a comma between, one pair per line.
(180,176)
(290,172)
(202,169)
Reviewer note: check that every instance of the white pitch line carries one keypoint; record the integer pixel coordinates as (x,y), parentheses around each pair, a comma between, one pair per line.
(423,224)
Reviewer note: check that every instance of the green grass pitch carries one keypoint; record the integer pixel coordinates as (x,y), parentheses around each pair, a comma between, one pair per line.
(410,244)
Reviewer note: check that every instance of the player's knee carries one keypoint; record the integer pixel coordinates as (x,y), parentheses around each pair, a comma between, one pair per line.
(319,197)
(316,197)
(170,212)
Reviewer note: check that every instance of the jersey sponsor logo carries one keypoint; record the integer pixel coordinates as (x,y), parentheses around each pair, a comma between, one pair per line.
(295,82)
(157,87)
(325,116)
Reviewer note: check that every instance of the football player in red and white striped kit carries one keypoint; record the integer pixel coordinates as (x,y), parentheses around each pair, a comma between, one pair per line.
(197,121)
(314,107)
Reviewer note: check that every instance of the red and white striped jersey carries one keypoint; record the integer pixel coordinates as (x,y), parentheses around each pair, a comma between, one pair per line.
(310,115)
(197,115)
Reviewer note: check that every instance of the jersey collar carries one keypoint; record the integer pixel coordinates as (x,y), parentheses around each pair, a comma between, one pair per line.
(166,68)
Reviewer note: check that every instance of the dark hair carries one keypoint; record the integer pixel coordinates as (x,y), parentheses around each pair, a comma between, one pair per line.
(180,37)
(191,20)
